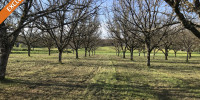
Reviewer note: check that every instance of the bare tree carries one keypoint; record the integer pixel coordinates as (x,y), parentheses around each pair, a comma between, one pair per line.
(118,32)
(176,47)
(10,29)
(47,41)
(95,40)
(61,25)
(146,17)
(188,41)
(30,36)
(92,27)
(77,38)
(141,49)
(168,39)
(86,34)
(116,46)
(187,12)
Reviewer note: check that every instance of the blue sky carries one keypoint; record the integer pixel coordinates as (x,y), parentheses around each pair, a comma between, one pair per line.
(106,4)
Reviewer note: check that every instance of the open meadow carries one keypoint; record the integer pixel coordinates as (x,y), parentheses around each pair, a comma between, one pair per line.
(101,76)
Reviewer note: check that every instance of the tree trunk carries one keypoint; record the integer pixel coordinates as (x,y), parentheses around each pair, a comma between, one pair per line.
(124,54)
(49,51)
(190,55)
(131,51)
(166,54)
(187,58)
(92,52)
(139,52)
(89,52)
(4,55)
(154,53)
(60,56)
(148,44)
(118,53)
(149,58)
(144,54)
(76,53)
(29,50)
(85,52)
(175,53)
(4,51)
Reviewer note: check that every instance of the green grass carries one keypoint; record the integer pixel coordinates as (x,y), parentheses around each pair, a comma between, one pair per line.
(103,76)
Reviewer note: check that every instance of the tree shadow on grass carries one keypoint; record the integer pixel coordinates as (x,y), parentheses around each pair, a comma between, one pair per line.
(55,89)
(96,90)
(50,89)
(128,91)
(186,69)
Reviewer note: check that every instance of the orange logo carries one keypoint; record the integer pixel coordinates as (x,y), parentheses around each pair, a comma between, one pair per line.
(9,8)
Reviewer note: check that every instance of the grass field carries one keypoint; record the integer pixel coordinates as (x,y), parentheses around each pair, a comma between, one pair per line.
(103,76)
